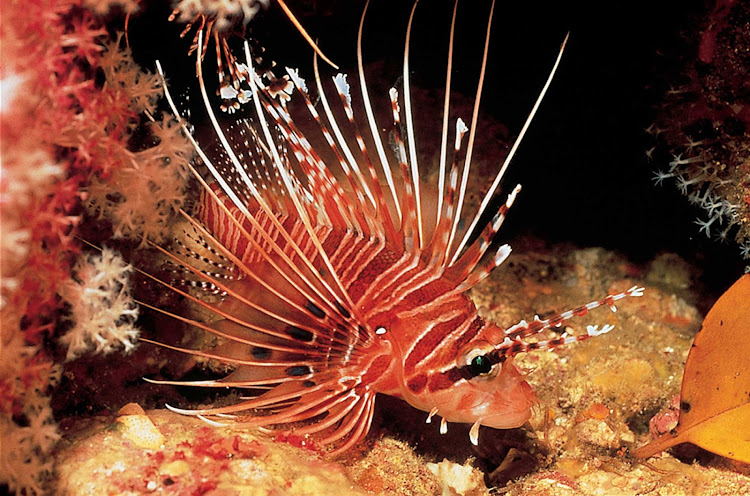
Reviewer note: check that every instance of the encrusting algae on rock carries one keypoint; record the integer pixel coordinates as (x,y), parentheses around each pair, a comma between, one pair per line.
(115,457)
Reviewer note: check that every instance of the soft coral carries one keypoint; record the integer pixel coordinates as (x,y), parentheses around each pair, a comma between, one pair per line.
(61,130)
(102,310)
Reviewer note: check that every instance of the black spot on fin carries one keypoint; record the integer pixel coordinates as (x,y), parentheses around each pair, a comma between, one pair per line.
(299,370)
(300,334)
(343,311)
(260,353)
(315,310)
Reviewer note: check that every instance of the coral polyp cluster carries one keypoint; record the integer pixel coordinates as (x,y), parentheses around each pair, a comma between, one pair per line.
(72,100)
(101,308)
(713,173)
(221,13)
(705,123)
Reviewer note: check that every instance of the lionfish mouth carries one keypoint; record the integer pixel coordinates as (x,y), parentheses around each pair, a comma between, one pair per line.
(308,269)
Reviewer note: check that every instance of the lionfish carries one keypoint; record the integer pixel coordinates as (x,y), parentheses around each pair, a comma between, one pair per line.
(334,290)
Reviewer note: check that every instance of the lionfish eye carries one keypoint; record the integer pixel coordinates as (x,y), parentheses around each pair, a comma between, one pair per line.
(475,360)
(480,365)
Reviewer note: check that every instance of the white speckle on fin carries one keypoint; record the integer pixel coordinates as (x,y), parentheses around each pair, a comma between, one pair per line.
(393,93)
(228,93)
(593,330)
(343,86)
(298,81)
(502,253)
(461,128)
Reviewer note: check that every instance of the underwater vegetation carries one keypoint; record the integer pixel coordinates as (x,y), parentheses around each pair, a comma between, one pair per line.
(72,99)
(91,152)
(704,122)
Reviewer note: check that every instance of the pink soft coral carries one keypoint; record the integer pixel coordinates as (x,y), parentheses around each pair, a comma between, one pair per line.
(140,195)
(61,131)
(101,307)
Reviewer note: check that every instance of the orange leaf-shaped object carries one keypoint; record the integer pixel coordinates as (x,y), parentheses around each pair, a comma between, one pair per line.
(715,398)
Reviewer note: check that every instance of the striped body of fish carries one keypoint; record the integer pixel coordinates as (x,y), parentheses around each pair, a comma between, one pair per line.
(336,287)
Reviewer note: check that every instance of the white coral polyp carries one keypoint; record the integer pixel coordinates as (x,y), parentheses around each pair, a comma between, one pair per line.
(102,309)
(225,11)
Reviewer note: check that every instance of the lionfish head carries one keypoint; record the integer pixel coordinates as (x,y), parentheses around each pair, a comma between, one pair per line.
(494,393)
(485,389)
(456,364)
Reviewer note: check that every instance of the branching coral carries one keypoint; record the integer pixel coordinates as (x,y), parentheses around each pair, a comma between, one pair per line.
(102,309)
(64,126)
(139,196)
(225,12)
(27,461)
(706,124)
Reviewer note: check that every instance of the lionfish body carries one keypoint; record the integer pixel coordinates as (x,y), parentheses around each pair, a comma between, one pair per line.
(334,290)
(419,319)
